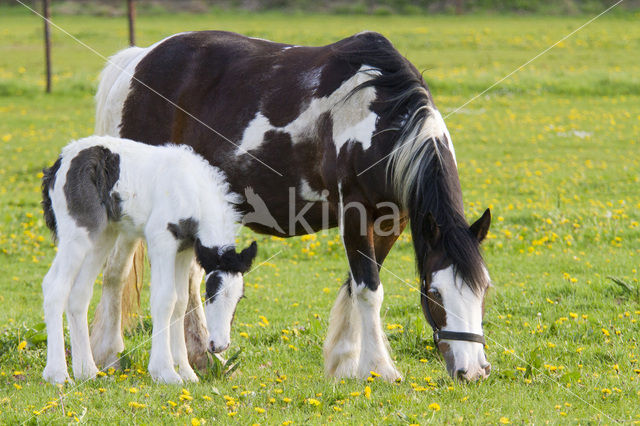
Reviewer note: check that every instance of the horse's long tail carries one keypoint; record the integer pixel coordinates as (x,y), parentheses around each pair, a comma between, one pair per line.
(48,180)
(114,84)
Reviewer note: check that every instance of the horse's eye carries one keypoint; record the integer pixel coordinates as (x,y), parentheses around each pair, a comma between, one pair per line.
(435,295)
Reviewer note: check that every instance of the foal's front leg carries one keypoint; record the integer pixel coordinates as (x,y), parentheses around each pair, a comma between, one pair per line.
(162,252)
(178,345)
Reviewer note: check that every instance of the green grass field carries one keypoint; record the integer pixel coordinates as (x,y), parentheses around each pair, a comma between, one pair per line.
(553,150)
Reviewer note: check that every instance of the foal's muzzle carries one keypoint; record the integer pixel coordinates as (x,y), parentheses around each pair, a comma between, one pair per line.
(217,349)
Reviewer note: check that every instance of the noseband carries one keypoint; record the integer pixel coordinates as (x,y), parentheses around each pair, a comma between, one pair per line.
(439,335)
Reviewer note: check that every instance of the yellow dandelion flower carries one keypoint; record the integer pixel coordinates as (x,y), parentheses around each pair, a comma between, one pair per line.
(232,413)
(356,393)
(259,410)
(312,401)
(434,406)
(196,422)
(134,404)
(133,390)
(287,400)
(17,386)
(22,345)
(367,392)
(244,334)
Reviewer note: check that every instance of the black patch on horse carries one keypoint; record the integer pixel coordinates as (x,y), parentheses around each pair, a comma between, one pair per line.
(185,232)
(88,188)
(48,182)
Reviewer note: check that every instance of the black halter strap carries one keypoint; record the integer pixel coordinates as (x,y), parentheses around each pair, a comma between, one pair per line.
(439,335)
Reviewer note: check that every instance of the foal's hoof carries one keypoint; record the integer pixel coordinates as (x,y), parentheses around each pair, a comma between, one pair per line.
(55,376)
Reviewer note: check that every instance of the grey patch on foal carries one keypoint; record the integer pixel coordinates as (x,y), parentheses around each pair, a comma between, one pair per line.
(88,188)
(184,231)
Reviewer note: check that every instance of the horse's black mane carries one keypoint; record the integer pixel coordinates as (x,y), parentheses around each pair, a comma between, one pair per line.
(434,187)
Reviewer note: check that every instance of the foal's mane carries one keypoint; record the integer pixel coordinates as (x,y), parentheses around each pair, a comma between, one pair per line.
(421,167)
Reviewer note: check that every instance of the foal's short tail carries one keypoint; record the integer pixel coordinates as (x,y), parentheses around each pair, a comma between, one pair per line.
(48,180)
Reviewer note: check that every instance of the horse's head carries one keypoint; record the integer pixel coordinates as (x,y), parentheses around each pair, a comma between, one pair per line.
(452,296)
(225,287)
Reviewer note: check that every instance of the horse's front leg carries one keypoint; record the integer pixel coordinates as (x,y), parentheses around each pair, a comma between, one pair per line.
(358,235)
(356,344)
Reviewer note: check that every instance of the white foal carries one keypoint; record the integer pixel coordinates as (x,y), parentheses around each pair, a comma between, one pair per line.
(104,190)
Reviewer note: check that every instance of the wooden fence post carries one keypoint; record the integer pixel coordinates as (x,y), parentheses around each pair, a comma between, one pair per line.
(47,41)
(131,11)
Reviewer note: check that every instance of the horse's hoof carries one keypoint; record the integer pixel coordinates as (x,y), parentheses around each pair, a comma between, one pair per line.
(85,373)
(187,374)
(55,376)
(168,376)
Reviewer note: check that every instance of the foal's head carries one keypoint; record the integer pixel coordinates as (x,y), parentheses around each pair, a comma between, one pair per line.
(224,270)
(454,285)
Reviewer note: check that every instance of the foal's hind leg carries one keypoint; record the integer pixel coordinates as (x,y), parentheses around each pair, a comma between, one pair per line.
(84,366)
(56,287)
(106,330)
(178,345)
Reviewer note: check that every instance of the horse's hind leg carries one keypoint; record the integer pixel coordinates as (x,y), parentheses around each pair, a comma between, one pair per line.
(106,330)
(178,345)
(56,287)
(195,325)
(84,366)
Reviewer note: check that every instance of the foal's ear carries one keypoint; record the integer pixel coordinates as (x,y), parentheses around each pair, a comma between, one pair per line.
(480,227)
(207,257)
(246,257)
(432,230)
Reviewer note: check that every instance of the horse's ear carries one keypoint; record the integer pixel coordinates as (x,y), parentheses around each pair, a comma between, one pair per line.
(247,255)
(432,230)
(480,227)
(207,257)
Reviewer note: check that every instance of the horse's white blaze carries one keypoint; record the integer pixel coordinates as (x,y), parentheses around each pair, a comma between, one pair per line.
(352,118)
(219,313)
(308,194)
(464,314)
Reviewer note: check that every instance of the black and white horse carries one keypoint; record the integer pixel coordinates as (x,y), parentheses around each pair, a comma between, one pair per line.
(316,137)
(104,189)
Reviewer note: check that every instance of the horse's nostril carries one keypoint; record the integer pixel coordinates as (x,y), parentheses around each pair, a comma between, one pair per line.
(461,373)
(212,346)
(487,369)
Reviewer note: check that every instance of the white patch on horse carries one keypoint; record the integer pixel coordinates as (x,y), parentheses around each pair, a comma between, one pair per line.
(253,135)
(464,314)
(308,194)
(360,132)
(352,119)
